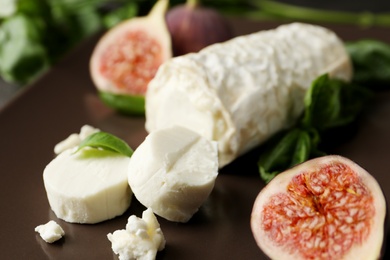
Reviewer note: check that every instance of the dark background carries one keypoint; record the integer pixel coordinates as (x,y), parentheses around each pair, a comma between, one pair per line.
(344,5)
(65,99)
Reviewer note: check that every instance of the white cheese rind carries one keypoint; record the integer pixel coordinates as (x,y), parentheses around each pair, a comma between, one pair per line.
(141,239)
(83,189)
(173,172)
(50,232)
(241,92)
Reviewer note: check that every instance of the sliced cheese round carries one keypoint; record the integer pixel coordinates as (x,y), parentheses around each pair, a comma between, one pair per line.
(242,91)
(87,189)
(173,172)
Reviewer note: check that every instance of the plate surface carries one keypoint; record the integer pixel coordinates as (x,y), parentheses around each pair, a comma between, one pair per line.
(64,99)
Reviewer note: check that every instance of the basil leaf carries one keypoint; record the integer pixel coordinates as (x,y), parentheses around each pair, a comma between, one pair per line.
(108,142)
(266,175)
(284,151)
(302,149)
(371,63)
(333,103)
(125,104)
(280,151)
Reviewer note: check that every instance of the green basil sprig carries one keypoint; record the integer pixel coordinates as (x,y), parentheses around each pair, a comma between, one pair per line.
(329,104)
(285,150)
(126,104)
(106,141)
(371,63)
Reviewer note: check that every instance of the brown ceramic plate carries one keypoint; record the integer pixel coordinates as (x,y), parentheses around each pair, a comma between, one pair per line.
(65,99)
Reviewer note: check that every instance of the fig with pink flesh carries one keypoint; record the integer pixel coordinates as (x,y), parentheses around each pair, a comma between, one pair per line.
(127,57)
(193,27)
(325,208)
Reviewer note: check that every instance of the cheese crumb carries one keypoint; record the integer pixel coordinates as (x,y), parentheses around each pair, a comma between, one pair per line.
(50,232)
(74,139)
(141,239)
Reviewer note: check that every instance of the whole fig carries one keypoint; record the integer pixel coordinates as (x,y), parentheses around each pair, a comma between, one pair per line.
(193,27)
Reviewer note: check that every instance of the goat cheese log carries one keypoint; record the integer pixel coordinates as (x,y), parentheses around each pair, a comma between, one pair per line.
(242,91)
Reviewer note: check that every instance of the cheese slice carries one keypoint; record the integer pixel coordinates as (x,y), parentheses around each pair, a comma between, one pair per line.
(173,172)
(241,92)
(87,189)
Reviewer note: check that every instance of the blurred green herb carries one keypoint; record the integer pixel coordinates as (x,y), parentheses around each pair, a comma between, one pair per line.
(35,34)
(120,14)
(22,51)
(279,10)
(371,63)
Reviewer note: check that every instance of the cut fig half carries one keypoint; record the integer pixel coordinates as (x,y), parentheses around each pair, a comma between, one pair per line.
(325,208)
(127,57)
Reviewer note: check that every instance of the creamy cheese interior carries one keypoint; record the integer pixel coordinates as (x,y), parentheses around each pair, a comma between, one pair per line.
(87,190)
(173,172)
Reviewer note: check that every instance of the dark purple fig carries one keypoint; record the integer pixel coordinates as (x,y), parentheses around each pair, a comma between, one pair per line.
(193,27)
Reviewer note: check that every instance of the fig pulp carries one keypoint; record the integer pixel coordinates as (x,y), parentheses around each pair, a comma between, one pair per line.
(127,57)
(193,27)
(325,208)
